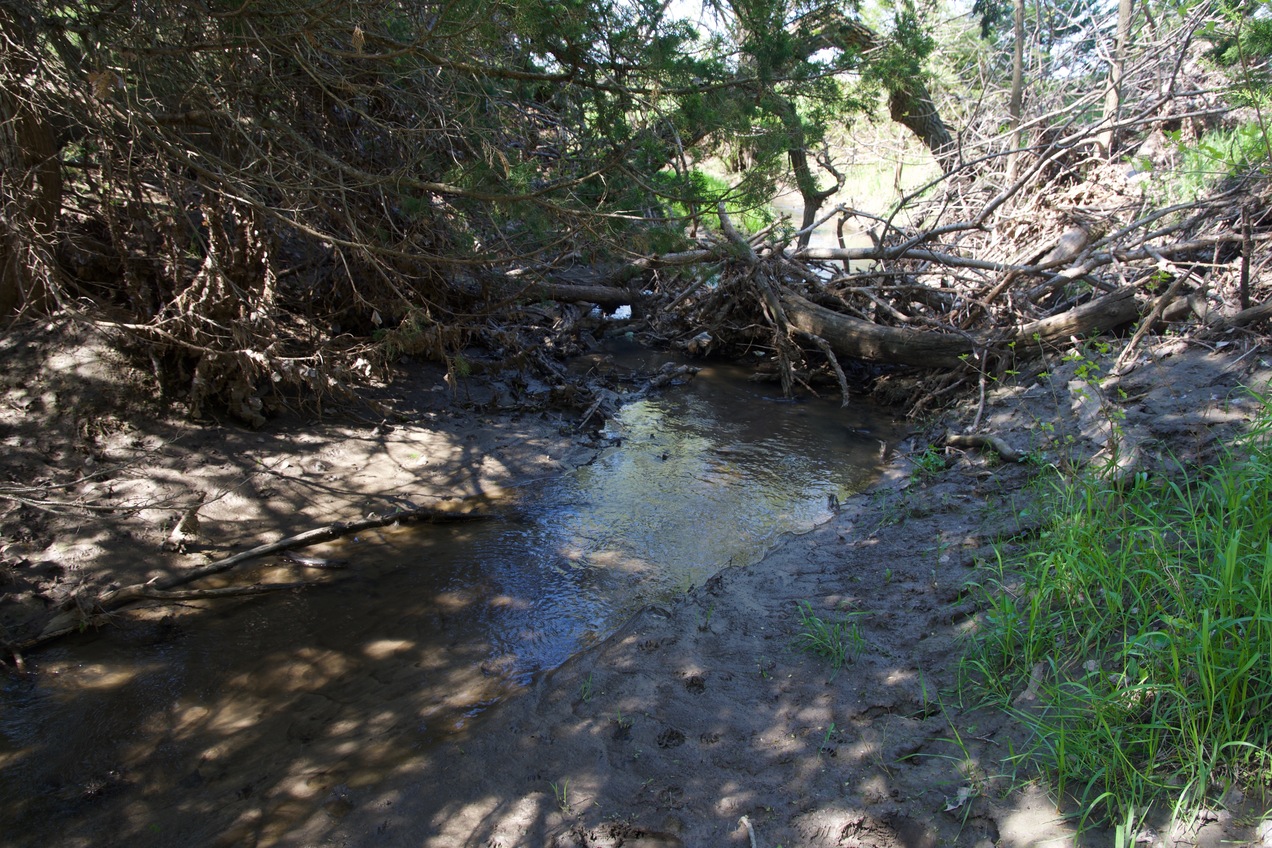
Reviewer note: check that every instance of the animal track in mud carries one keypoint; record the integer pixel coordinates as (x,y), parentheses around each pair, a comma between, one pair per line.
(670,738)
(695,684)
(650,645)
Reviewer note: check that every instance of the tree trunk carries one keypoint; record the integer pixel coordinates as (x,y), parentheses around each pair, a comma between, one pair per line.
(909,101)
(797,153)
(913,108)
(858,339)
(1017,90)
(1107,140)
(607,297)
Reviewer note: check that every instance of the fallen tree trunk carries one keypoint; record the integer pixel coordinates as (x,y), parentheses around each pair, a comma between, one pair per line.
(1114,309)
(860,339)
(607,297)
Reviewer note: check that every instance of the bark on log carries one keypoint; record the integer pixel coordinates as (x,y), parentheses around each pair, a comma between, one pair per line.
(978,440)
(860,339)
(911,105)
(863,340)
(1114,309)
(1244,318)
(606,297)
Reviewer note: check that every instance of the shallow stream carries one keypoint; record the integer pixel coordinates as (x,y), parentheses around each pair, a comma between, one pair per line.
(159,733)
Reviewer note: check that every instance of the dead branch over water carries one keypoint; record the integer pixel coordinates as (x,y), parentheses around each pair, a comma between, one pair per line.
(1073,260)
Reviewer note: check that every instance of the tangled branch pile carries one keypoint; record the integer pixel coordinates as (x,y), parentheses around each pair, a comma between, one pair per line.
(1016,250)
(282,195)
(285,197)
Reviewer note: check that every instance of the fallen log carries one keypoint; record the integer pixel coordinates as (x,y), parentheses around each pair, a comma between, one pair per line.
(608,298)
(985,441)
(860,339)
(1244,318)
(1097,316)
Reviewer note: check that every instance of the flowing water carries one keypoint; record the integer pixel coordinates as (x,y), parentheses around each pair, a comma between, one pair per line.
(147,731)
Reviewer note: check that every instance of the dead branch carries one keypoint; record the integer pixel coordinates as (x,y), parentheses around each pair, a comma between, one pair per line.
(825,348)
(1244,318)
(227,591)
(978,440)
(70,621)
(1113,310)
(1154,315)
(860,339)
(930,349)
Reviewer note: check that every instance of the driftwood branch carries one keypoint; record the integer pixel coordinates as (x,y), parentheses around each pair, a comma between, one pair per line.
(71,621)
(861,339)
(1113,310)
(225,591)
(978,440)
(1244,318)
(608,298)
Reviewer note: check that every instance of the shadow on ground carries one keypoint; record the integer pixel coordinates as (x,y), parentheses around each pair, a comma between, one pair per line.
(698,719)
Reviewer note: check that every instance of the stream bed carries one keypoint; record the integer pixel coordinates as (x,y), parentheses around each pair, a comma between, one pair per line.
(159,730)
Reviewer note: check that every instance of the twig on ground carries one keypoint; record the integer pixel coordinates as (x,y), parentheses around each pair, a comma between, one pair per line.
(979,440)
(70,621)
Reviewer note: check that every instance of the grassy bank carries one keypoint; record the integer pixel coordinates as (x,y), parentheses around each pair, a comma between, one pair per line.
(1134,637)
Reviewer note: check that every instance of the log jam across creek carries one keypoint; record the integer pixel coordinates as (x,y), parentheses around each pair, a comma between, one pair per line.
(294,696)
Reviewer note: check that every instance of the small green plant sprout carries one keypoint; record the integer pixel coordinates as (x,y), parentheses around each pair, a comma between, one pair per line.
(837,641)
(706,621)
(585,690)
(622,727)
(930,461)
(561,792)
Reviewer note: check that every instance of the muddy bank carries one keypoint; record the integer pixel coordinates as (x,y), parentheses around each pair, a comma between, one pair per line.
(698,712)
(702,713)
(99,475)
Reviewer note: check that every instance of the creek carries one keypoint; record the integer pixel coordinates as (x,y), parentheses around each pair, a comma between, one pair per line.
(159,734)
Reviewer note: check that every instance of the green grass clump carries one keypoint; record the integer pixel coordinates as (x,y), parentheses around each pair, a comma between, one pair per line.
(1140,627)
(837,641)
(929,462)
